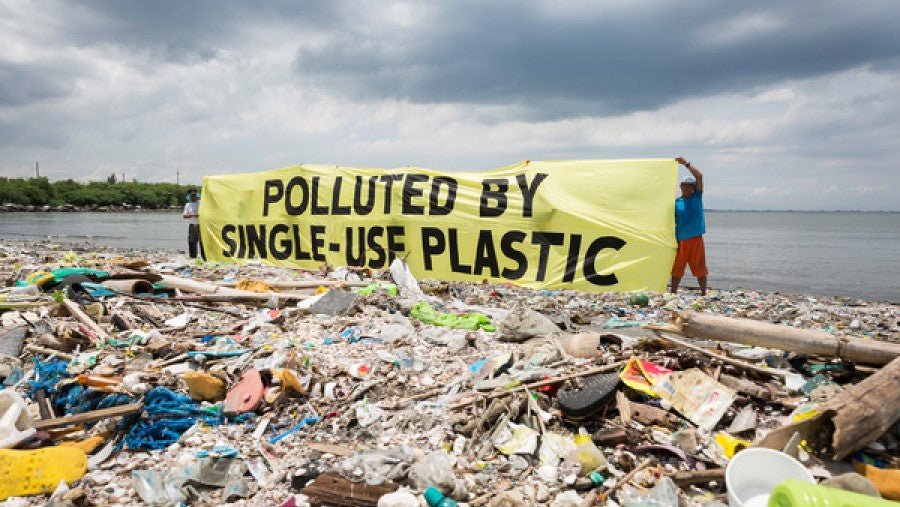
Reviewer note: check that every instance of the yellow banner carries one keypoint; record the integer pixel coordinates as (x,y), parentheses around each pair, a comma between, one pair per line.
(593,225)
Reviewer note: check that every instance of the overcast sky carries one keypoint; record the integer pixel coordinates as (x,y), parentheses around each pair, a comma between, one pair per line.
(781,104)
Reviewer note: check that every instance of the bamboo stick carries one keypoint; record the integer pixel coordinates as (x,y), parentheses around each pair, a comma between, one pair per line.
(75,311)
(305,284)
(490,396)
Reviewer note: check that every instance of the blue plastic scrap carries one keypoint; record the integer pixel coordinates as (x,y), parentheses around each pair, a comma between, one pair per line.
(78,399)
(47,375)
(309,421)
(216,354)
(98,291)
(167,415)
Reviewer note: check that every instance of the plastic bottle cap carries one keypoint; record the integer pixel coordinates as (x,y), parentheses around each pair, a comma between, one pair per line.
(433,495)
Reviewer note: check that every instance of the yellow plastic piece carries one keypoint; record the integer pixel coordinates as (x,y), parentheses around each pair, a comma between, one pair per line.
(731,445)
(254,286)
(289,380)
(203,386)
(586,453)
(887,480)
(87,445)
(33,472)
(40,278)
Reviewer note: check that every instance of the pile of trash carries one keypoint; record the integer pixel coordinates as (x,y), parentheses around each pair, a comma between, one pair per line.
(134,378)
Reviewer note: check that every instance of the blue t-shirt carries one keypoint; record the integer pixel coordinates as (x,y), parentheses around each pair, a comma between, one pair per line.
(689,222)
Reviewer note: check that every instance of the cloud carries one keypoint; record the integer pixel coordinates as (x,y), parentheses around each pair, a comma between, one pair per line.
(605,61)
(779,103)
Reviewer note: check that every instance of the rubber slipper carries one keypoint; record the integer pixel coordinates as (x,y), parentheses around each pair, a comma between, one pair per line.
(597,392)
(24,473)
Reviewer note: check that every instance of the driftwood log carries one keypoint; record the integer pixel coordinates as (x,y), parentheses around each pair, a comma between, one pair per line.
(763,334)
(860,414)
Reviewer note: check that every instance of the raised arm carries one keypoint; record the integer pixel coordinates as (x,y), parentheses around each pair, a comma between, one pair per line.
(696,172)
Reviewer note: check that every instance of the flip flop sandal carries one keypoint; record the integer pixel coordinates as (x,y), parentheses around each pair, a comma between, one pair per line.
(597,392)
(24,473)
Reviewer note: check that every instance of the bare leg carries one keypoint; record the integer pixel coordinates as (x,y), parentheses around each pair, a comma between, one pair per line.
(702,281)
(675,281)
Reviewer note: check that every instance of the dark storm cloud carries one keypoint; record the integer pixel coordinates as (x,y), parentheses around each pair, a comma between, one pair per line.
(29,82)
(605,60)
(185,32)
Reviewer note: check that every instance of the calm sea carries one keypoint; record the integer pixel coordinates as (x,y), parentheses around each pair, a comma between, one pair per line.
(845,254)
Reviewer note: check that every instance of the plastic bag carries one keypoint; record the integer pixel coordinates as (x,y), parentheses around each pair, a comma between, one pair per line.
(587,454)
(517,439)
(664,494)
(435,469)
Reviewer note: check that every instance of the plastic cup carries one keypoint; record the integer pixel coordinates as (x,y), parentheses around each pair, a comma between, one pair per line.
(753,473)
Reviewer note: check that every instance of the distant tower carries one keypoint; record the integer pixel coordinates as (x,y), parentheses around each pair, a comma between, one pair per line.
(37,170)
(177,177)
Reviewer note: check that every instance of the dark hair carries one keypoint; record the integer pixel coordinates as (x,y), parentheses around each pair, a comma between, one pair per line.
(192,191)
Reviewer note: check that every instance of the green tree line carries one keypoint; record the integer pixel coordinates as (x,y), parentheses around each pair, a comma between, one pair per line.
(43,192)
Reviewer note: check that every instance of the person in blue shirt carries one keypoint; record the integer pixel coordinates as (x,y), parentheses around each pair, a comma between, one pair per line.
(689,229)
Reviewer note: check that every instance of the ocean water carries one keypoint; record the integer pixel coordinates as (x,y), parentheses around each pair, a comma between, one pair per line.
(815,253)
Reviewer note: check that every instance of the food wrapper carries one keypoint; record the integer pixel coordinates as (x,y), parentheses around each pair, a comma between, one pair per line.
(696,396)
(640,375)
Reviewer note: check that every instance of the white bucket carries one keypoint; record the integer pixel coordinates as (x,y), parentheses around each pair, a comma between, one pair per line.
(753,473)
(16,425)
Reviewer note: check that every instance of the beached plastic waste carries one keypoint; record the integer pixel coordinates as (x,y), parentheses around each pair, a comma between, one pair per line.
(517,439)
(523,323)
(403,497)
(472,320)
(371,392)
(16,424)
(794,493)
(640,375)
(31,472)
(404,278)
(695,395)
(587,454)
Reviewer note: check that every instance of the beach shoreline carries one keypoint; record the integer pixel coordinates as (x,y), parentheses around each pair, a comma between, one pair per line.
(889,311)
(380,374)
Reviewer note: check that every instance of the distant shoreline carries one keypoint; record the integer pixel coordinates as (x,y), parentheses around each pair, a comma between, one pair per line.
(89,244)
(71,208)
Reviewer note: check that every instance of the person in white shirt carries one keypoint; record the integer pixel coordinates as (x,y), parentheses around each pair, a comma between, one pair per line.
(191,212)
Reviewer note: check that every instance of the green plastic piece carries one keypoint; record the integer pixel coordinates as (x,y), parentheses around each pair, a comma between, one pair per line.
(61,273)
(370,289)
(793,493)
(424,312)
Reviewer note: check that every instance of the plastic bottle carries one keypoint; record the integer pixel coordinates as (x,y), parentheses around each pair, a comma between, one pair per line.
(793,493)
(434,498)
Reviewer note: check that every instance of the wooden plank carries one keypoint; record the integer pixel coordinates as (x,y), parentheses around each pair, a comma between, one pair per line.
(92,416)
(334,490)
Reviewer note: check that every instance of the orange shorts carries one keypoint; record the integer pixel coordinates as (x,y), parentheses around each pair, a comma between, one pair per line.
(692,253)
